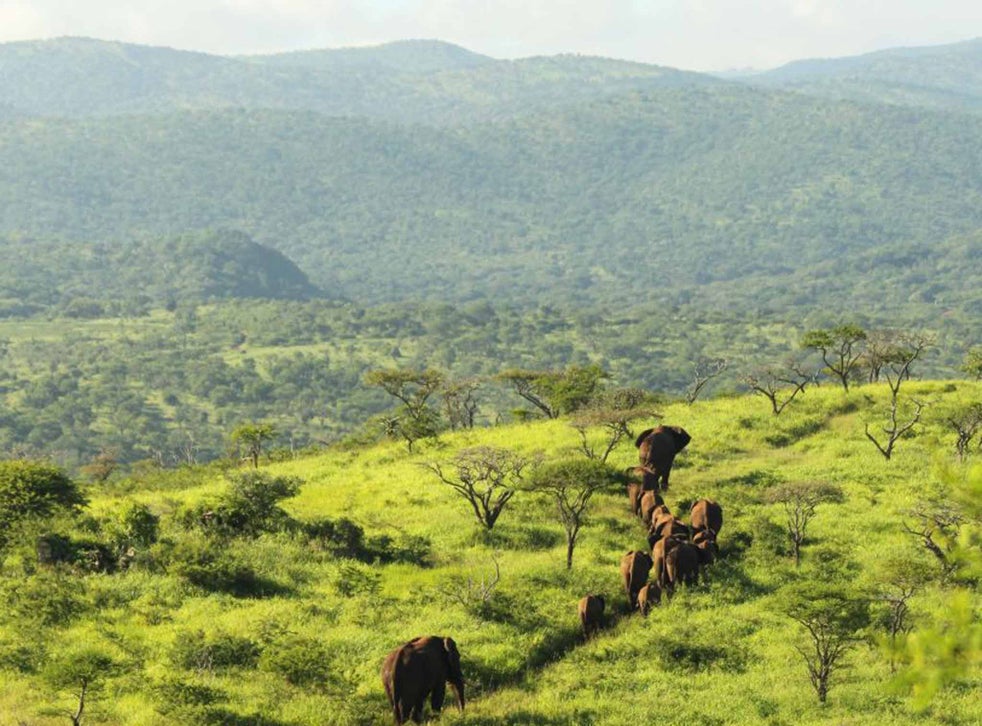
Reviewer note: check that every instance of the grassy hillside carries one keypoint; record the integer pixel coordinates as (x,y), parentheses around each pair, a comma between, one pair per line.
(285,630)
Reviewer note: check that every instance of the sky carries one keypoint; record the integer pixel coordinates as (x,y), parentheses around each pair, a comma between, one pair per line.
(700,35)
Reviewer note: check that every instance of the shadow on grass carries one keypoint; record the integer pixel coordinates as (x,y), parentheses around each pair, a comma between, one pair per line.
(527,718)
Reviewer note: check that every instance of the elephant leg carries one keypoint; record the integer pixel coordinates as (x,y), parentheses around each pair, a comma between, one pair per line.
(417,714)
(436,698)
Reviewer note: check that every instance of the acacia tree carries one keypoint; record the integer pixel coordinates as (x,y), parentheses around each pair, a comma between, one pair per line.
(616,426)
(571,485)
(253,436)
(779,385)
(833,621)
(897,579)
(799,501)
(416,418)
(486,477)
(972,365)
(841,348)
(554,393)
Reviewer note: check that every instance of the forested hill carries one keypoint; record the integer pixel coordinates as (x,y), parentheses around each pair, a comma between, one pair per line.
(644,196)
(946,76)
(410,81)
(210,265)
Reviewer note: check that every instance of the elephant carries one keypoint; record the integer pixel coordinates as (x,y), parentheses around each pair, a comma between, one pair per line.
(648,503)
(635,567)
(682,565)
(657,448)
(591,610)
(648,596)
(667,526)
(420,668)
(649,479)
(634,497)
(661,548)
(707,514)
(704,540)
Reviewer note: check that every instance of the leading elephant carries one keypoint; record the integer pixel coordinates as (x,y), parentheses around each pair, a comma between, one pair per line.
(419,669)
(657,448)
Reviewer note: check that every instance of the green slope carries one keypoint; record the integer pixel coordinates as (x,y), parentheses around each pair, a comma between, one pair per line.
(304,646)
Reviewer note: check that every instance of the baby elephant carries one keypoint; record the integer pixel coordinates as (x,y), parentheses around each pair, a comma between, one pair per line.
(591,609)
(648,597)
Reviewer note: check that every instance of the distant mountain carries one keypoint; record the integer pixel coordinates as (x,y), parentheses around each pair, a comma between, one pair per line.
(405,82)
(642,197)
(943,76)
(209,265)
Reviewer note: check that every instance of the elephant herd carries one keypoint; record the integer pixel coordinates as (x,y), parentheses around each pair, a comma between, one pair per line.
(422,668)
(678,551)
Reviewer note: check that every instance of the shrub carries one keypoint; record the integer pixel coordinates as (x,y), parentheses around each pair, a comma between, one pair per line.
(192,650)
(34,489)
(214,569)
(300,661)
(679,655)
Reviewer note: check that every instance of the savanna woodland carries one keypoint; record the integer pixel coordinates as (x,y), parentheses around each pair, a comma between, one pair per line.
(336,386)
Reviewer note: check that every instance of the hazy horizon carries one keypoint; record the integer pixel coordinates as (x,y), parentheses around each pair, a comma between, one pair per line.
(686,34)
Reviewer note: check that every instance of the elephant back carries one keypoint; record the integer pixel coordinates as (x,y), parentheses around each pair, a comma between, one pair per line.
(707,514)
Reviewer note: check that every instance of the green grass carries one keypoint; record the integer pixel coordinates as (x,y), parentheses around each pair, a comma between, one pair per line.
(721,653)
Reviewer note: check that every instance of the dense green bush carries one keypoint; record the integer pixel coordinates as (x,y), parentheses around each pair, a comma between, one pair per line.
(194,650)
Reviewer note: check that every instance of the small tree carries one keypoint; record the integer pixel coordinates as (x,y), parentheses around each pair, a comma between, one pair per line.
(615,423)
(935,526)
(966,422)
(972,364)
(81,670)
(102,466)
(486,477)
(799,501)
(897,579)
(555,392)
(572,484)
(841,348)
(460,402)
(832,621)
(703,371)
(253,436)
(779,385)
(416,419)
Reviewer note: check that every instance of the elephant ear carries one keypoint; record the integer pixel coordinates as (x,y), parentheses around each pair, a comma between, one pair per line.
(681,436)
(641,437)
(453,655)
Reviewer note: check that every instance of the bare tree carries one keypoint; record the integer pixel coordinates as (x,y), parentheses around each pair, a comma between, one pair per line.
(704,370)
(470,592)
(905,349)
(779,385)
(460,402)
(898,579)
(799,501)
(486,477)
(966,422)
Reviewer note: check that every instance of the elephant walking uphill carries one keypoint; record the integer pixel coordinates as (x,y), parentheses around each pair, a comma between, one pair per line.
(419,669)
(657,448)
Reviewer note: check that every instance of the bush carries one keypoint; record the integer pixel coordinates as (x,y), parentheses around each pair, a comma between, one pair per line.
(678,655)
(212,568)
(46,598)
(33,489)
(193,651)
(300,661)
(249,508)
